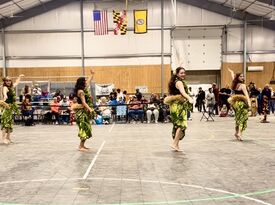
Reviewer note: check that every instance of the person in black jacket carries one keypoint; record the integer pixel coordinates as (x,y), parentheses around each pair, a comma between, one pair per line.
(201,100)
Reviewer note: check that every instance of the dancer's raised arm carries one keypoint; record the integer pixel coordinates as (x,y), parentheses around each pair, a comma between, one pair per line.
(232,73)
(17,81)
(90,77)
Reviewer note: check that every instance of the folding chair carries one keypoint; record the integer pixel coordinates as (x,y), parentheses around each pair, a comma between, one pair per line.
(209,114)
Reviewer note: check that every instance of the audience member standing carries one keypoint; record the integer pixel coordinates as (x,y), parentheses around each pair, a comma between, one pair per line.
(201,100)
(138,94)
(119,94)
(113,95)
(224,94)
(210,100)
(216,91)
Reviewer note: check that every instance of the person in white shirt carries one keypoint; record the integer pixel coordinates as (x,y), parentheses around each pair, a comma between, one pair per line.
(210,100)
(153,109)
(119,94)
(65,110)
(36,92)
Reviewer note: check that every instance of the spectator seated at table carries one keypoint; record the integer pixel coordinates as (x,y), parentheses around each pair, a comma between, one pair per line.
(105,110)
(121,109)
(64,110)
(55,110)
(27,111)
(135,110)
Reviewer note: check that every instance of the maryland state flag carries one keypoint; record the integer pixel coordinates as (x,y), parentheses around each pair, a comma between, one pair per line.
(140,17)
(120,21)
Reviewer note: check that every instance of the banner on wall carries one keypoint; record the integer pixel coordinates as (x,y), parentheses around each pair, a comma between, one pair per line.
(103,89)
(140,21)
(120,22)
(142,89)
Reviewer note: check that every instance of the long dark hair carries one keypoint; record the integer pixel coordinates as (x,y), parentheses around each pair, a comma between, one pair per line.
(26,89)
(80,85)
(236,81)
(5,84)
(171,85)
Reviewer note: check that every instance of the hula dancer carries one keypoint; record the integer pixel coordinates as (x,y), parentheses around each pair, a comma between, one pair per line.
(9,107)
(84,109)
(180,103)
(240,102)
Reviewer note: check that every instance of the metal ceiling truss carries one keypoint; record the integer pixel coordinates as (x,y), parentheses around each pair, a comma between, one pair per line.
(3,1)
(34,11)
(227,11)
(203,4)
(269,2)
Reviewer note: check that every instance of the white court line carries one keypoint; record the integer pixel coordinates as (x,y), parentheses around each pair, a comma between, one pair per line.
(93,162)
(110,130)
(144,181)
(95,158)
(203,140)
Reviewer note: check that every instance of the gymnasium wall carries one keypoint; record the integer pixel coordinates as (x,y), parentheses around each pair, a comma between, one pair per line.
(260,45)
(60,52)
(261,78)
(123,77)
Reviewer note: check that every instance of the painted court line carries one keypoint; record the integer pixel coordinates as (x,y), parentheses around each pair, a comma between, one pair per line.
(110,130)
(95,158)
(230,194)
(93,162)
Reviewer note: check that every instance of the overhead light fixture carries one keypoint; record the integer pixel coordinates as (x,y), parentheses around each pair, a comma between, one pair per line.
(272,18)
(234,9)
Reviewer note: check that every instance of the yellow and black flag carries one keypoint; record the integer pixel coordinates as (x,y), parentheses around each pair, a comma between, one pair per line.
(140,17)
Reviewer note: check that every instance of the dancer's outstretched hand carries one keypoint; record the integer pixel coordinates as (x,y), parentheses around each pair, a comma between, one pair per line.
(92,72)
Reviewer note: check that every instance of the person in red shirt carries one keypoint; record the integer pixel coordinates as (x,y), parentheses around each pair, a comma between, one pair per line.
(135,108)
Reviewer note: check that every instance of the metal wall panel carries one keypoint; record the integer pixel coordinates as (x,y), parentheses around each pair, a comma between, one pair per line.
(67,17)
(260,38)
(128,44)
(50,44)
(190,16)
(197,49)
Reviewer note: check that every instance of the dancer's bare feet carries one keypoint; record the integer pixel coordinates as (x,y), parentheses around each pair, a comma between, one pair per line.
(238,137)
(179,150)
(86,147)
(6,142)
(82,149)
(175,148)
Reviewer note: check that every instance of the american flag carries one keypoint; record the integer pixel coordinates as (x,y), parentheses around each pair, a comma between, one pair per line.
(100,22)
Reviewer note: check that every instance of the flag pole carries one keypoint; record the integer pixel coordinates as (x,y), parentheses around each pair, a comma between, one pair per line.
(162,48)
(126,10)
(82,39)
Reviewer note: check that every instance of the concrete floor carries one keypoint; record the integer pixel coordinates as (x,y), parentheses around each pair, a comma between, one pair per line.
(132,164)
